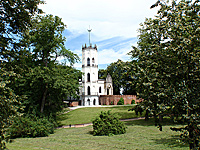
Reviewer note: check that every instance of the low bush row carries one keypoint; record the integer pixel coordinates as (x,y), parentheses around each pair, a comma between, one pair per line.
(30,126)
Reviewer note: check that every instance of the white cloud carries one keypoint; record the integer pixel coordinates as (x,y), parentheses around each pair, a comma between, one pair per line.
(108,19)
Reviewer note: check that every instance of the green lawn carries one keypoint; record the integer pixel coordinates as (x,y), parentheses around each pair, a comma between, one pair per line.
(140,135)
(86,115)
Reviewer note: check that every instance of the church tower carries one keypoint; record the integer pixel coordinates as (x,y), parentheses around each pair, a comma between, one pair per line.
(90,87)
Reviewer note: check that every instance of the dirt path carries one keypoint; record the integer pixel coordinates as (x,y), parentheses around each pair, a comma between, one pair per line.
(88,124)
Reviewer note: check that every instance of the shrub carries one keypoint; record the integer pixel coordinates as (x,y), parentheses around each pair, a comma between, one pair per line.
(121,101)
(133,101)
(108,124)
(111,103)
(138,109)
(30,127)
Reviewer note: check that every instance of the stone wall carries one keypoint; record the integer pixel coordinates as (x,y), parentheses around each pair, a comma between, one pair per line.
(108,99)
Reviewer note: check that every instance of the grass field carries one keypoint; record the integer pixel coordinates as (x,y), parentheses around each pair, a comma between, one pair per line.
(140,135)
(86,115)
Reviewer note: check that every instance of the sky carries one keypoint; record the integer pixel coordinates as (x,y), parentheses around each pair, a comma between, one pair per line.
(114,25)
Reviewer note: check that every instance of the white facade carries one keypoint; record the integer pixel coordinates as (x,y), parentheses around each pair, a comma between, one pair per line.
(90,87)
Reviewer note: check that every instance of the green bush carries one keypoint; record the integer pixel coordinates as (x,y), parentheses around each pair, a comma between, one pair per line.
(111,103)
(133,101)
(121,101)
(108,124)
(30,127)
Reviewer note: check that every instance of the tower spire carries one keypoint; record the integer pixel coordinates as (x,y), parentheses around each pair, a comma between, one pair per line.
(89,30)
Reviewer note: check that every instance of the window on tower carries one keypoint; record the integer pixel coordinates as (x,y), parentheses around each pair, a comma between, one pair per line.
(88,90)
(88,62)
(93,60)
(88,77)
(100,89)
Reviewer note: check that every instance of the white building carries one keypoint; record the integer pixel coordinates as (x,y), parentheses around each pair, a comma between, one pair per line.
(90,86)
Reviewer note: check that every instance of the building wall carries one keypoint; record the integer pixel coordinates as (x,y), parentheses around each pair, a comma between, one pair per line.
(90,100)
(107,99)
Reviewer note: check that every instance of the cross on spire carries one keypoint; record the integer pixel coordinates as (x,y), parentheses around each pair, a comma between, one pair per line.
(89,30)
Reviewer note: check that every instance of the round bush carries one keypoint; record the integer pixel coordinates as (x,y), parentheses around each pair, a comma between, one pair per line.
(108,124)
(133,101)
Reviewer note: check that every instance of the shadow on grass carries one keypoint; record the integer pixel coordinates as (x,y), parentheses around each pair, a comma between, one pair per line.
(171,141)
(128,115)
(62,117)
(150,122)
(122,107)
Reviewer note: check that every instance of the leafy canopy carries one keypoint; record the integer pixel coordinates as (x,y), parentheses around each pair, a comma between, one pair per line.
(167,65)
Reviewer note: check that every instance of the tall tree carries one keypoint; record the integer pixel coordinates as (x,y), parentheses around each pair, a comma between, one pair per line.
(15,18)
(116,70)
(8,104)
(122,77)
(47,44)
(167,64)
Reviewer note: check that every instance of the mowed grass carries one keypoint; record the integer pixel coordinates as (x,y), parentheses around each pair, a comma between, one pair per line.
(88,114)
(140,135)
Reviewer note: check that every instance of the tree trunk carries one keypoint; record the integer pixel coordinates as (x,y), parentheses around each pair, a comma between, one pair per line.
(160,117)
(43,100)
(191,136)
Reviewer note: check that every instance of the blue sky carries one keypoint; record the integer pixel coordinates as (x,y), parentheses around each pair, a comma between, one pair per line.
(114,25)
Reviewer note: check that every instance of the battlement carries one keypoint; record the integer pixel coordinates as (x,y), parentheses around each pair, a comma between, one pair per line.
(89,47)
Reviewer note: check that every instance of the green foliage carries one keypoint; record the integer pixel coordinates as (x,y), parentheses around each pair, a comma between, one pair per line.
(167,65)
(133,101)
(108,124)
(46,39)
(30,126)
(61,82)
(121,101)
(43,81)
(29,49)
(51,79)
(122,77)
(9,103)
(137,109)
(15,19)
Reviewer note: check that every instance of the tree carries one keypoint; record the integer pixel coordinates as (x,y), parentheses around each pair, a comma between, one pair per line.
(15,18)
(8,103)
(167,65)
(122,77)
(51,80)
(61,83)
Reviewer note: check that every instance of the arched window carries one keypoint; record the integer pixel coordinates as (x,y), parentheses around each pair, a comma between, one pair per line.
(88,90)
(107,91)
(100,89)
(93,60)
(88,77)
(88,62)
(88,101)
(94,102)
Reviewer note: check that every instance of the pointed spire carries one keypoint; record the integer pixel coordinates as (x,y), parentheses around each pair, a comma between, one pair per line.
(89,30)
